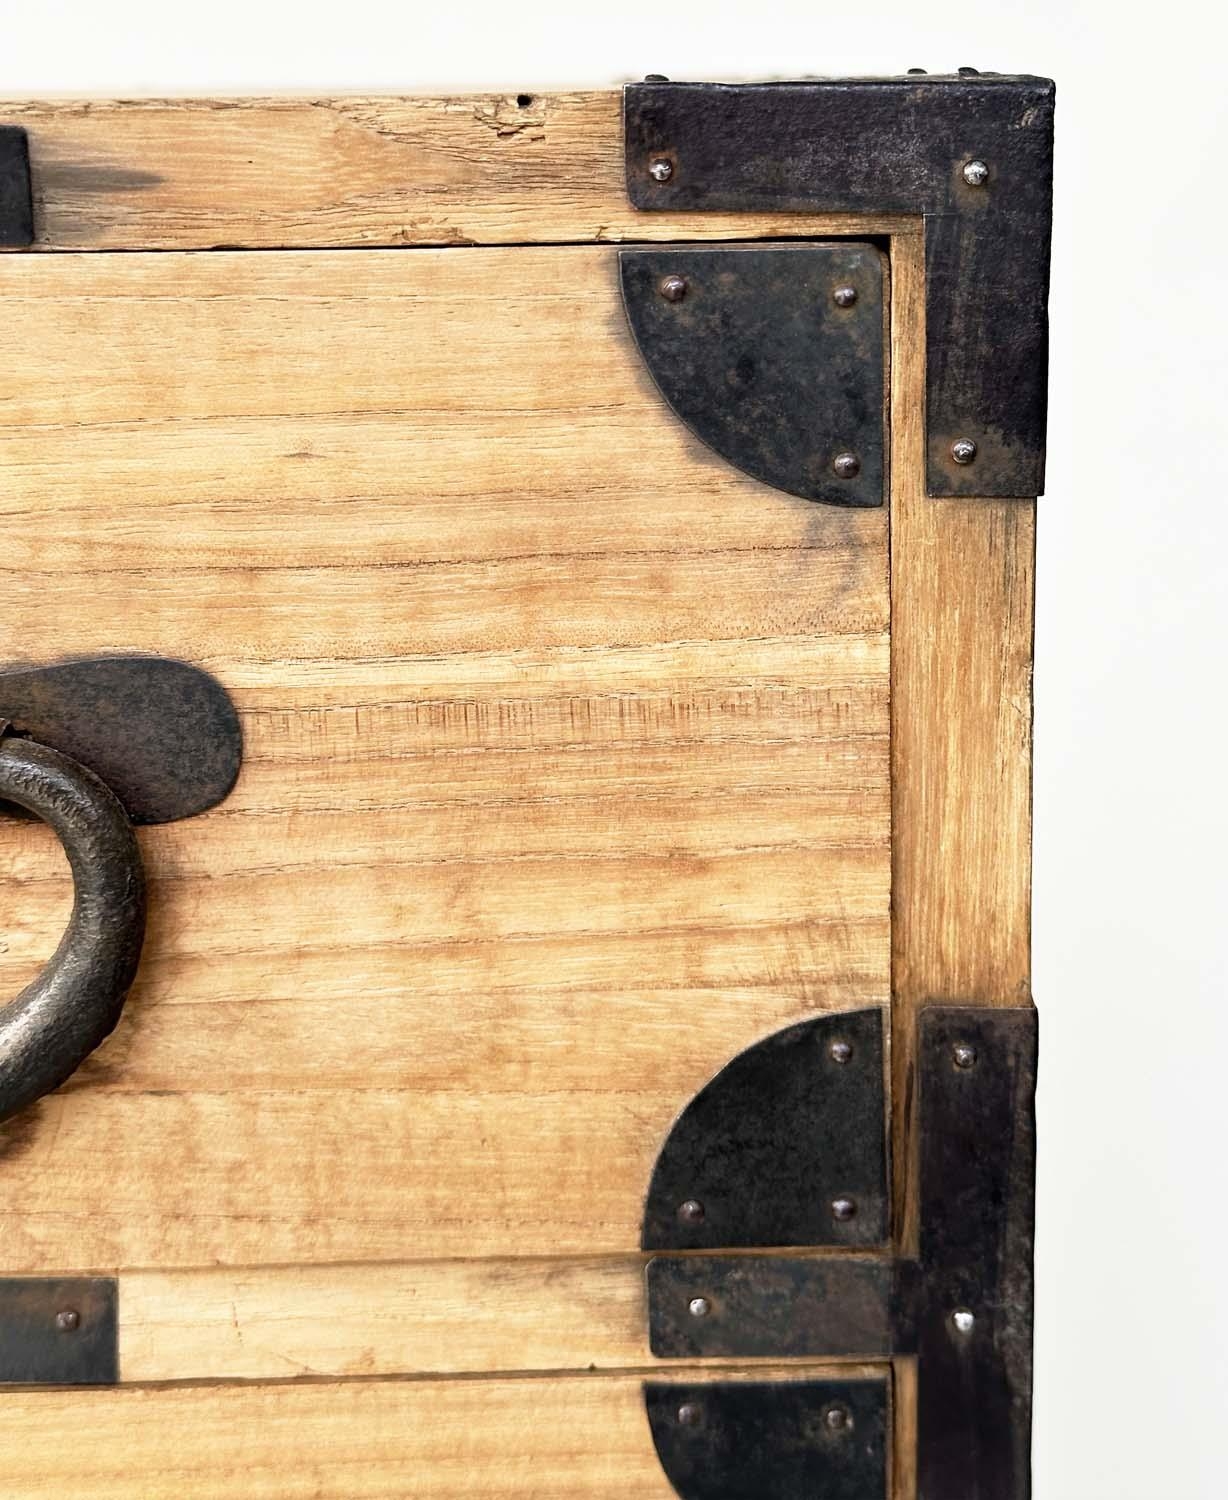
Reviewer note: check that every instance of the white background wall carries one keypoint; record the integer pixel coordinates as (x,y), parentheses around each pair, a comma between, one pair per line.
(1132,1369)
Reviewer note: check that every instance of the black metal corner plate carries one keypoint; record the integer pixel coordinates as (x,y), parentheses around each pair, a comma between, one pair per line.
(162,734)
(774,1140)
(754,353)
(771,1440)
(16,194)
(977,1132)
(896,145)
(59,1331)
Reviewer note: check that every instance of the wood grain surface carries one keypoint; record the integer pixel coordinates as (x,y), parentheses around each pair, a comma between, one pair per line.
(574,763)
(439,1317)
(566,753)
(537,1439)
(961,758)
(184,174)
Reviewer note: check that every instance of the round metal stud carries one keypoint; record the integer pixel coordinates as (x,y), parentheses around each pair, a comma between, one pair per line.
(963,1320)
(976,173)
(843,1209)
(837,1418)
(68,1321)
(964,1055)
(690,1414)
(661,170)
(963,450)
(846,465)
(691,1212)
(840,1052)
(674,288)
(844,296)
(699,1307)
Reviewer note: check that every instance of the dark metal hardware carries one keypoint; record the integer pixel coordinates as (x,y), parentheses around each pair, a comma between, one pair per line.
(162,734)
(973,153)
(770,1307)
(16,196)
(58,1019)
(91,747)
(977,1183)
(963,1307)
(59,1332)
(771,1440)
(779,1135)
(753,348)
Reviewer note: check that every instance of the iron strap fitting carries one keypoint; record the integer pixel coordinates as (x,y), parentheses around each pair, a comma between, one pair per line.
(786,1150)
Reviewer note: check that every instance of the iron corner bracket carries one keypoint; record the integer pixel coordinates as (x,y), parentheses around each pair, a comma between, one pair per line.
(784,1151)
(773,355)
(971,153)
(16,194)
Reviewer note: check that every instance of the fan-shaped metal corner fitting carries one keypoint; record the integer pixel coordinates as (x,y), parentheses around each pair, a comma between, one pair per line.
(773,356)
(785,1147)
(56,1022)
(771,1440)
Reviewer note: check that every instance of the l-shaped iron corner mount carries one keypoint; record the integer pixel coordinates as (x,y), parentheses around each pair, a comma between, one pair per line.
(785,1151)
(972,153)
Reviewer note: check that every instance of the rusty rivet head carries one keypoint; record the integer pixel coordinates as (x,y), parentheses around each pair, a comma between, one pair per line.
(840,1052)
(690,1414)
(844,296)
(674,288)
(699,1307)
(68,1321)
(846,465)
(661,170)
(843,1209)
(963,450)
(976,173)
(691,1212)
(964,1055)
(837,1418)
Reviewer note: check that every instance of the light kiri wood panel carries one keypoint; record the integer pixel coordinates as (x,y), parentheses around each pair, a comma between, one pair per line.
(383,170)
(387,1318)
(566,777)
(535,1439)
(376,1319)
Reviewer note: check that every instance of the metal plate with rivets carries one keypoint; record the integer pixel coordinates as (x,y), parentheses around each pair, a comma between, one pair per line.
(976,1119)
(971,153)
(773,355)
(769,1306)
(963,1308)
(785,1146)
(772,1440)
(59,1331)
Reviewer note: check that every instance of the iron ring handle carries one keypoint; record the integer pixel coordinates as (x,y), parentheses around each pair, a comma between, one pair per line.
(53,1025)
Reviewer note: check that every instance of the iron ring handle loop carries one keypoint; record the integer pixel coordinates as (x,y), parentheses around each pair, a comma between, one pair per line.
(53,1025)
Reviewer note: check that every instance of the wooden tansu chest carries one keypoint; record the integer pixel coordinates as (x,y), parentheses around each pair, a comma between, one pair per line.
(549,581)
